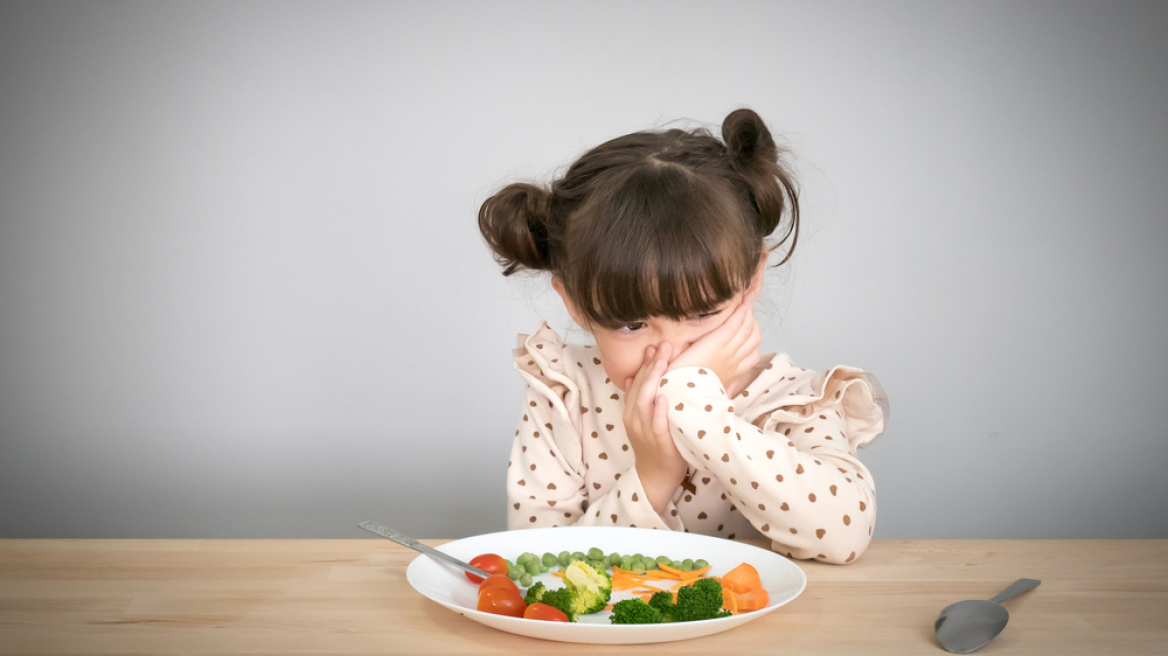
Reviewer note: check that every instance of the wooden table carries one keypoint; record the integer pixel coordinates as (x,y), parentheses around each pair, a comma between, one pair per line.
(351,597)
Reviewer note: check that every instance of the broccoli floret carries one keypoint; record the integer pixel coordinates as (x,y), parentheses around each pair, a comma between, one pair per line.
(700,601)
(535,593)
(560,598)
(591,589)
(634,611)
(663,603)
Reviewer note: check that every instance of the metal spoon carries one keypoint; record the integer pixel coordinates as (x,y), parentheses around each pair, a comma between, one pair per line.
(406,541)
(968,625)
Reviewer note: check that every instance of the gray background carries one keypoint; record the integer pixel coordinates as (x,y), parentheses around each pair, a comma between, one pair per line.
(242,292)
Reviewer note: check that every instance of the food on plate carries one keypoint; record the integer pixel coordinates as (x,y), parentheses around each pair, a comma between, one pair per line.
(588,588)
(538,611)
(501,601)
(489,563)
(498,580)
(560,599)
(635,611)
(591,588)
(701,600)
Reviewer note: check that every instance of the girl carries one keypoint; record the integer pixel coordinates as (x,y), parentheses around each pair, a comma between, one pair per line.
(657,243)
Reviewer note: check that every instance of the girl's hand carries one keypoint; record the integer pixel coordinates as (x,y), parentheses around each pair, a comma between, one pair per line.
(659,464)
(729,350)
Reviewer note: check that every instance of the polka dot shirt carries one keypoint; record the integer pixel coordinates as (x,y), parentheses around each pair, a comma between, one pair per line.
(778,460)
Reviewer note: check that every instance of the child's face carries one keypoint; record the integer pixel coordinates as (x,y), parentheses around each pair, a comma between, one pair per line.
(622,350)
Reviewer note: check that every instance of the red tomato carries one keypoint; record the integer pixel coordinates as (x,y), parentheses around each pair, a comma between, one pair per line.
(538,611)
(501,601)
(498,580)
(489,563)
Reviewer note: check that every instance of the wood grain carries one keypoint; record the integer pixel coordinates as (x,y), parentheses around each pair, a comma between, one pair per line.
(351,597)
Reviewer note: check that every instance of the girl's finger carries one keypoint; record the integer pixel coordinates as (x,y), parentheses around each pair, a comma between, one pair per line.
(745,328)
(631,396)
(661,418)
(651,381)
(666,352)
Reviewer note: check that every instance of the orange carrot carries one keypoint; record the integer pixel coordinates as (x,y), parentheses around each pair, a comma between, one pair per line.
(743,578)
(753,600)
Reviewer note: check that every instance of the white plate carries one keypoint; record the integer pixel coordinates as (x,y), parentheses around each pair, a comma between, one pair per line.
(448,586)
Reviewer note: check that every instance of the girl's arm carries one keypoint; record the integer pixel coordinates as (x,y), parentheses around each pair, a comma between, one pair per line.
(552,480)
(794,473)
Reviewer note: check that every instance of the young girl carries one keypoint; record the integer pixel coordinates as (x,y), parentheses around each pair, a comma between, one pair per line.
(657,243)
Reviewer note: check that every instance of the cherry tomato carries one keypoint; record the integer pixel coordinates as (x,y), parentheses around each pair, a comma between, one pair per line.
(498,580)
(489,563)
(538,611)
(501,601)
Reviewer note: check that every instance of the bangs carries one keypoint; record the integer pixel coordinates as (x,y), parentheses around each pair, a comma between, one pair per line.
(664,243)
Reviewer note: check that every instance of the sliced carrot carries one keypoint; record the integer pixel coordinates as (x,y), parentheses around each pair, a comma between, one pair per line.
(729,600)
(743,578)
(672,570)
(753,600)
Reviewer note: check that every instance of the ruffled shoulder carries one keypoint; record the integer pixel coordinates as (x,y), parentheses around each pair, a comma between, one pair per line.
(541,354)
(784,393)
(541,361)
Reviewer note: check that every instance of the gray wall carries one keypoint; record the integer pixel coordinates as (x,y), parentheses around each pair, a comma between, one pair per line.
(242,292)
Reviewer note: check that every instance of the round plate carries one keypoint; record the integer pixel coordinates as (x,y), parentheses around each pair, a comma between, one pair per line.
(449,587)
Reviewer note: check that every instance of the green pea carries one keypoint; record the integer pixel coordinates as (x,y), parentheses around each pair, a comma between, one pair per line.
(533,566)
(549,559)
(614,557)
(595,554)
(544,569)
(525,580)
(576,555)
(700,563)
(564,558)
(513,572)
(687,565)
(664,559)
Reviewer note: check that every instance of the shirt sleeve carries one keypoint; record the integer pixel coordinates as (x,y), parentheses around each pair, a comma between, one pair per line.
(548,478)
(793,472)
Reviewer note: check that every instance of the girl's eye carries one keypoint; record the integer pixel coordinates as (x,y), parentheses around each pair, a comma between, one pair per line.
(633,327)
(707,315)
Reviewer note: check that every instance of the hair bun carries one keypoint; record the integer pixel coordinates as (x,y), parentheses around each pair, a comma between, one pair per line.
(747,139)
(754,155)
(515,224)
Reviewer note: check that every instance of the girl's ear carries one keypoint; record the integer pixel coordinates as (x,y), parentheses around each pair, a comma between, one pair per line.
(572,310)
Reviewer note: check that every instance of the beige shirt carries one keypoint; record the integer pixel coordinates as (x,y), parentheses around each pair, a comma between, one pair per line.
(779,459)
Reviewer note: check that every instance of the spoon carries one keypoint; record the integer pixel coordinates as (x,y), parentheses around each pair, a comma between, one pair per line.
(968,625)
(406,541)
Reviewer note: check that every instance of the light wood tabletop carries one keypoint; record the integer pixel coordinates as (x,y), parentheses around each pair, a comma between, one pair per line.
(352,597)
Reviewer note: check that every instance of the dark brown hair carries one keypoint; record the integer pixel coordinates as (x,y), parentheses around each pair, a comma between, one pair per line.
(658,223)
